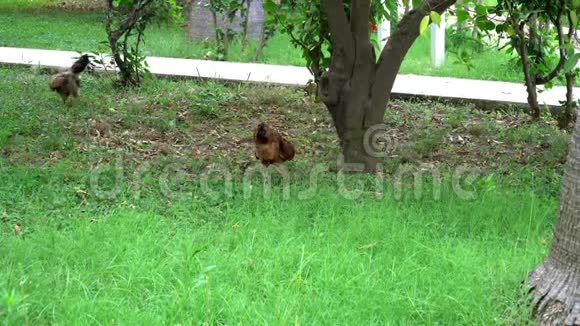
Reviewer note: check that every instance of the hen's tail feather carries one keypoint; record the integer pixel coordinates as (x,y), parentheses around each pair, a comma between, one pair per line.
(286,150)
(80,65)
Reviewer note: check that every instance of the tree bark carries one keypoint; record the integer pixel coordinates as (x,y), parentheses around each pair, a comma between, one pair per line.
(568,115)
(555,284)
(217,32)
(529,79)
(245,25)
(261,44)
(356,88)
(530,52)
(226,36)
(540,80)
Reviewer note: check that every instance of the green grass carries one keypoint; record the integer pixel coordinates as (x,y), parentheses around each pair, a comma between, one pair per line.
(24,4)
(82,31)
(83,5)
(488,64)
(263,261)
(154,247)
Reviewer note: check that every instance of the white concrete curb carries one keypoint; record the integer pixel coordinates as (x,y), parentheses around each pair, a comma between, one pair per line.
(407,85)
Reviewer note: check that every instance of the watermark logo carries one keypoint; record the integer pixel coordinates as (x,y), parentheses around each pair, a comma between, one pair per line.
(377,142)
(216,181)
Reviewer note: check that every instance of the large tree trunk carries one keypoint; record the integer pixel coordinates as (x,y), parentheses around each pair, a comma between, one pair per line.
(555,284)
(356,88)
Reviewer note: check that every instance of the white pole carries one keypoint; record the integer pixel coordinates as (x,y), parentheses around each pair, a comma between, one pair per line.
(438,43)
(384,33)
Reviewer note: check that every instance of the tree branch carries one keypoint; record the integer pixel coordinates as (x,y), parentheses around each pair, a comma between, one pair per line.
(540,80)
(132,18)
(108,9)
(392,56)
(530,81)
(339,29)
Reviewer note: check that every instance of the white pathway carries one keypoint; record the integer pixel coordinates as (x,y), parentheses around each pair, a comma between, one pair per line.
(406,85)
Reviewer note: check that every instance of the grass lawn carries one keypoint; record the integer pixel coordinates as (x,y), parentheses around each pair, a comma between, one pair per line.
(488,64)
(118,226)
(82,31)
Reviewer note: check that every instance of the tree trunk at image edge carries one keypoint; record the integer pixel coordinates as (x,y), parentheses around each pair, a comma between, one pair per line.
(555,284)
(356,88)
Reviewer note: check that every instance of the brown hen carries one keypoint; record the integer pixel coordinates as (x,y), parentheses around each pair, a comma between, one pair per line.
(271,147)
(67,83)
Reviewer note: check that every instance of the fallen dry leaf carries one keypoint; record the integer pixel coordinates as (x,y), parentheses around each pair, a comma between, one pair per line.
(368,246)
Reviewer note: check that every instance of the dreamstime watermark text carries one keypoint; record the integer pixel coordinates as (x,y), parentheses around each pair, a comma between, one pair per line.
(109,180)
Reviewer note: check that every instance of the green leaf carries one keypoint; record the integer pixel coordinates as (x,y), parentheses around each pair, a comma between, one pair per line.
(569,49)
(435,17)
(424,25)
(462,16)
(571,62)
(375,43)
(485,25)
(509,30)
(282,18)
(270,6)
(481,10)
(574,18)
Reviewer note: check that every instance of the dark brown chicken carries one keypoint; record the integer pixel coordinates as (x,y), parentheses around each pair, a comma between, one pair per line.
(67,83)
(271,147)
(80,65)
